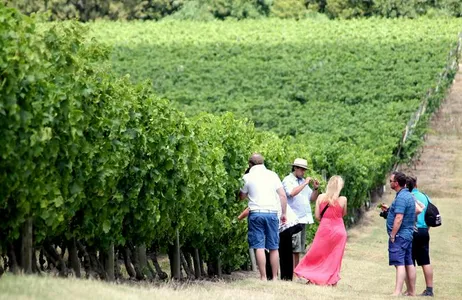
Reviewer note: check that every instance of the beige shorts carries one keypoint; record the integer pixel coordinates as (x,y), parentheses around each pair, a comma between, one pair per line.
(299,241)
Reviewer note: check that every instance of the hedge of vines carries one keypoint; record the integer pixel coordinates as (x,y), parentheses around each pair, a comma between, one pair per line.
(101,168)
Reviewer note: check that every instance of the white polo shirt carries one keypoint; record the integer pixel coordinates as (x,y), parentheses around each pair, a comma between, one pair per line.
(261,186)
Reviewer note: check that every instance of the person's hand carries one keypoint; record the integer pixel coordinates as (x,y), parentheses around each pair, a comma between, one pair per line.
(283,218)
(383,206)
(383,210)
(392,238)
(307,180)
(315,184)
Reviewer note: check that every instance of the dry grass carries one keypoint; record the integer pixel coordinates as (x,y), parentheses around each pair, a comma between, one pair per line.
(365,272)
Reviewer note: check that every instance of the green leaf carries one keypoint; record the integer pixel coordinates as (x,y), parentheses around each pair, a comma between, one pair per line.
(106,226)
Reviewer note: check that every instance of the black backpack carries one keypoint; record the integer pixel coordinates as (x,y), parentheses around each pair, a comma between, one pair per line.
(432,215)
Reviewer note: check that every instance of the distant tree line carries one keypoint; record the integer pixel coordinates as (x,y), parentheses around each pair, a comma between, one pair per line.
(86,10)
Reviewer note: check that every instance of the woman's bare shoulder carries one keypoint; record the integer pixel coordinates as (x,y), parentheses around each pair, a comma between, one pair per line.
(342,200)
(321,197)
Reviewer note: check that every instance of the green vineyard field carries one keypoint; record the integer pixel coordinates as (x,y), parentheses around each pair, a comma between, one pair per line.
(106,164)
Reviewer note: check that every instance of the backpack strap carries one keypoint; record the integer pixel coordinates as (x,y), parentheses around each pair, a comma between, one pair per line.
(428,199)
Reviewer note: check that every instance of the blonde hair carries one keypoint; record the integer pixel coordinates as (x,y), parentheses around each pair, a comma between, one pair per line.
(334,186)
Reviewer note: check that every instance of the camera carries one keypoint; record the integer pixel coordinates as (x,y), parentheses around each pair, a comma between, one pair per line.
(384,214)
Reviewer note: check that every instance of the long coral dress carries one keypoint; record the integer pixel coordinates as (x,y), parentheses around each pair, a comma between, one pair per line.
(321,265)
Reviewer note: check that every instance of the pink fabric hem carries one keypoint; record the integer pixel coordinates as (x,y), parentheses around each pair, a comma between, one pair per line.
(317,282)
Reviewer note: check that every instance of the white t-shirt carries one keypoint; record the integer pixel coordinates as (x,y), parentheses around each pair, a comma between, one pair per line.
(261,186)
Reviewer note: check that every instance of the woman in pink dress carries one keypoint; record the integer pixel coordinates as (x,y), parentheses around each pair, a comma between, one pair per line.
(321,265)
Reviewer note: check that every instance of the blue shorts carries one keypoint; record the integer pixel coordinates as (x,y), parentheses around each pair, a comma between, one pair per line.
(263,231)
(400,252)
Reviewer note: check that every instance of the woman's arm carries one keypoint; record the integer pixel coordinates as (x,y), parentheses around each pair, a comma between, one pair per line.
(317,213)
(345,202)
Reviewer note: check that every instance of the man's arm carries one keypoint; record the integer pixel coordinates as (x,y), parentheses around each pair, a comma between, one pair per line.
(283,198)
(314,195)
(315,192)
(419,207)
(297,189)
(244,191)
(396,225)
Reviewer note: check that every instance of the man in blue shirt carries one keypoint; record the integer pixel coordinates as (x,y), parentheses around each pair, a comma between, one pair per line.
(400,228)
(299,195)
(421,240)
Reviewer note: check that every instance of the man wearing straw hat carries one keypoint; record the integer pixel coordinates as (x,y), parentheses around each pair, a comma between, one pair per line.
(299,195)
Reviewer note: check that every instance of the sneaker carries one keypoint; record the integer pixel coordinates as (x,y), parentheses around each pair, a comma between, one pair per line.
(427,293)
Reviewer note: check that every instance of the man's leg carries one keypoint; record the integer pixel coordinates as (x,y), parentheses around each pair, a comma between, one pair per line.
(428,273)
(285,254)
(407,282)
(397,257)
(256,238)
(415,246)
(296,247)
(411,275)
(296,259)
(272,241)
(410,269)
(303,239)
(424,261)
(274,259)
(261,262)
(269,272)
(400,277)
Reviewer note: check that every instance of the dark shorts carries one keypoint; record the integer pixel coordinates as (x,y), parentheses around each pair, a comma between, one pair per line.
(400,252)
(263,231)
(420,247)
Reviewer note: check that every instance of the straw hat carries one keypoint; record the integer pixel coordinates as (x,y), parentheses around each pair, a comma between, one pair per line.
(301,163)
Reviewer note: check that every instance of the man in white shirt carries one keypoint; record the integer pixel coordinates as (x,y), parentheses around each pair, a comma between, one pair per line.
(266,197)
(299,195)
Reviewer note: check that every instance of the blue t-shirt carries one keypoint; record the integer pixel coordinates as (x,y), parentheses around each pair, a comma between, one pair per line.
(421,217)
(403,204)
